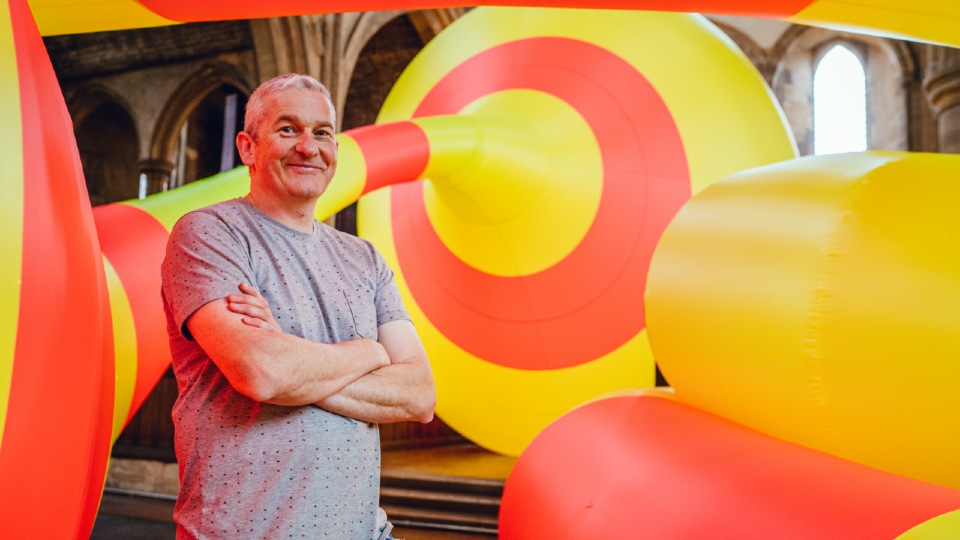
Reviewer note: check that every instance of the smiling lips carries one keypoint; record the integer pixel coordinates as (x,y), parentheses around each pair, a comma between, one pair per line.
(320,167)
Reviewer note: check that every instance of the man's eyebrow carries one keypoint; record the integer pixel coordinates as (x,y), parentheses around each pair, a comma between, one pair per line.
(294,119)
(289,118)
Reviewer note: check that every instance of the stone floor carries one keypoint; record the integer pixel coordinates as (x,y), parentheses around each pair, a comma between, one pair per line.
(109,527)
(149,517)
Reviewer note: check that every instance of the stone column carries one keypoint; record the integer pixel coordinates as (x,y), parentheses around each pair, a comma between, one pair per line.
(942,85)
(157,174)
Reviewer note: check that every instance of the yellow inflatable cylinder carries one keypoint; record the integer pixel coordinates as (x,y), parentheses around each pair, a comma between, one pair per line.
(818,301)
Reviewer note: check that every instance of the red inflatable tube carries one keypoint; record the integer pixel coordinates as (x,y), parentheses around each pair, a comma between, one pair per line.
(135,242)
(646,467)
(177,10)
(56,430)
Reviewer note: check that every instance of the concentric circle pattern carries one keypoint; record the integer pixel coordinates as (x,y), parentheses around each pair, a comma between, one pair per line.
(589,303)
(512,351)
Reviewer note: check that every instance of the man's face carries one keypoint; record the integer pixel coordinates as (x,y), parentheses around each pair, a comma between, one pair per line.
(295,154)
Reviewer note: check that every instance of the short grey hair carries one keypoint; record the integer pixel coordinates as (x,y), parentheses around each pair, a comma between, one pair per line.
(257,102)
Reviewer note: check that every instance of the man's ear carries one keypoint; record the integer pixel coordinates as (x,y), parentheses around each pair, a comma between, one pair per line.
(245,146)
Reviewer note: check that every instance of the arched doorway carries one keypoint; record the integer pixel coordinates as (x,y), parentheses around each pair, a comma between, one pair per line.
(107,142)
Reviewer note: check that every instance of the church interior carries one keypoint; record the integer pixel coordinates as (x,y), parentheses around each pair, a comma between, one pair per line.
(157,109)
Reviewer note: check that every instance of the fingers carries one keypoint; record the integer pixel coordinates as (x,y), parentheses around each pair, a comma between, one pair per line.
(246,308)
(248,295)
(246,305)
(251,303)
(257,323)
(252,291)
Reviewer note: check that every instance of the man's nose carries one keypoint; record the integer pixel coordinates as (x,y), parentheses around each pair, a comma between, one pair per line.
(306,145)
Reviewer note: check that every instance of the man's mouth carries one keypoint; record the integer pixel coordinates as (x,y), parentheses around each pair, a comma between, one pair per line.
(306,166)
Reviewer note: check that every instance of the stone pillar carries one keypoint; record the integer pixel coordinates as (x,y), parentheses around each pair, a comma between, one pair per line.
(157,173)
(942,85)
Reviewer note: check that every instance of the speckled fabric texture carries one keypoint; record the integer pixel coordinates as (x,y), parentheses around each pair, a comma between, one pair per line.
(251,469)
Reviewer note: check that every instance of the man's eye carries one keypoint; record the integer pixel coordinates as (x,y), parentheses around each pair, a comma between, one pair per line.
(287,130)
(321,133)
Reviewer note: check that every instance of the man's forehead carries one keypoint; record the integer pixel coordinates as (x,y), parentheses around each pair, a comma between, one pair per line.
(299,104)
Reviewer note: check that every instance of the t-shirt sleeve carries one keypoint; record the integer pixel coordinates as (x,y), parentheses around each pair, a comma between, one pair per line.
(206,260)
(389,302)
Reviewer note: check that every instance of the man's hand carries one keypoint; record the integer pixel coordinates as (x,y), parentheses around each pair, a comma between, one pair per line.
(250,303)
(402,389)
(264,363)
(400,392)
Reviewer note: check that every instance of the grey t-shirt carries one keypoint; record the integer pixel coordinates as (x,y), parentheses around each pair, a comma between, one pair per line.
(250,469)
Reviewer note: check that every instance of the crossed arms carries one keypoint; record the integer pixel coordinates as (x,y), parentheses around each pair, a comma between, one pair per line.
(382,381)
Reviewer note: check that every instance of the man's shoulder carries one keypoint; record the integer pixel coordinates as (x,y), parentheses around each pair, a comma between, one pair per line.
(225,211)
(219,209)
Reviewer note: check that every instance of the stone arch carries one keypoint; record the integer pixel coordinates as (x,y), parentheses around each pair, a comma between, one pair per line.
(186,98)
(86,99)
(183,102)
(380,51)
(367,26)
(329,46)
(941,87)
(888,66)
(757,54)
(425,23)
(102,122)
(378,61)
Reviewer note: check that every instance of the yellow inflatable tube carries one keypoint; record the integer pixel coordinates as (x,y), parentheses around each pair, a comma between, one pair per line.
(933,20)
(818,301)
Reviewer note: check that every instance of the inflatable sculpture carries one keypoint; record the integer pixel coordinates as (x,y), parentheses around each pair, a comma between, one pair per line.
(519,179)
(932,20)
(805,314)
(544,200)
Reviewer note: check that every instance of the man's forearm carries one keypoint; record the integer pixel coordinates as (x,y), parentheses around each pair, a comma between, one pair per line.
(399,389)
(317,370)
(280,368)
(395,393)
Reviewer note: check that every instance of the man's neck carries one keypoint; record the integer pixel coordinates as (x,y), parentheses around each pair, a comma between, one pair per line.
(293,214)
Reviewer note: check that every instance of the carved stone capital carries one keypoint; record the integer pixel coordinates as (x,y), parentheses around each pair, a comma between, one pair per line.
(158,173)
(942,81)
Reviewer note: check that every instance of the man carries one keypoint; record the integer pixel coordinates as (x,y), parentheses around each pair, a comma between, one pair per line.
(290,344)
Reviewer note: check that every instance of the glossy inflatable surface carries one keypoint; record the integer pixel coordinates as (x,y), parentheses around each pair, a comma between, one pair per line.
(818,301)
(523,257)
(641,466)
(56,347)
(931,20)
(806,315)
(81,345)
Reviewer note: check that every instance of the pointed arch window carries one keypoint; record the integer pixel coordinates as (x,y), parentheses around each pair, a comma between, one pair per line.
(206,138)
(839,103)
